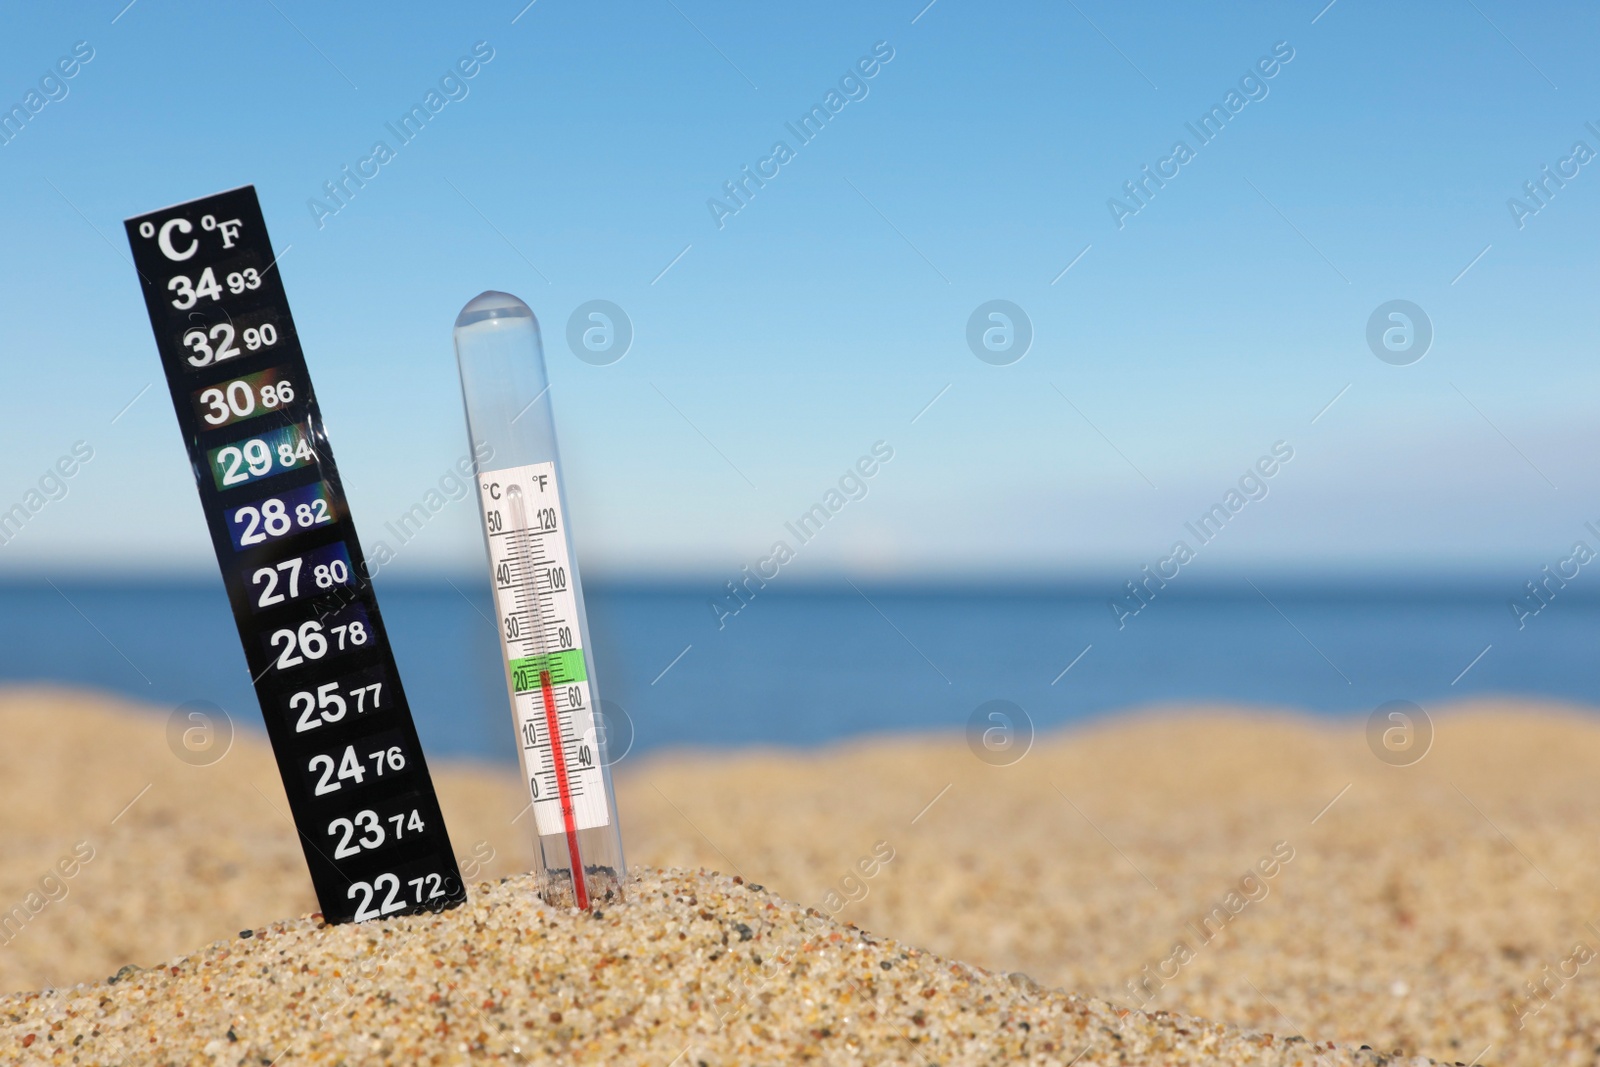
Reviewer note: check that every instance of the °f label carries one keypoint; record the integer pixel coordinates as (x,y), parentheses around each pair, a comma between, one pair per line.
(540,636)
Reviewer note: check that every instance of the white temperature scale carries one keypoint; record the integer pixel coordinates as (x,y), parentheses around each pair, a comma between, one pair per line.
(540,638)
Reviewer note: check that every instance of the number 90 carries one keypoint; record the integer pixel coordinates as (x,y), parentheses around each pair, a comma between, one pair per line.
(264,336)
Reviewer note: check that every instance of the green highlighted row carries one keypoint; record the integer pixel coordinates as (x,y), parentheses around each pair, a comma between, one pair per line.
(564,667)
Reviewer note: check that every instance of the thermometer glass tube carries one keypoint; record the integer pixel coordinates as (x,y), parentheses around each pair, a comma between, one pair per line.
(544,636)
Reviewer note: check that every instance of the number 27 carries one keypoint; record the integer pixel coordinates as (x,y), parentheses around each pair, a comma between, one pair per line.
(269,595)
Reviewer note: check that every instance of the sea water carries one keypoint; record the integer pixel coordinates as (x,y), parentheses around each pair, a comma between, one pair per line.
(816,664)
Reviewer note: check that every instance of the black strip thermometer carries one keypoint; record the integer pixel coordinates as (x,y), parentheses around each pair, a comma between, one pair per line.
(340,726)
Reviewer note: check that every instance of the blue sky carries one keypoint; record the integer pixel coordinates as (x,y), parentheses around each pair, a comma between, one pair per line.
(769,354)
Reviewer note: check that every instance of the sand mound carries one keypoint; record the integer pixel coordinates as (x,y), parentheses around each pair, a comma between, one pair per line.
(692,968)
(1265,871)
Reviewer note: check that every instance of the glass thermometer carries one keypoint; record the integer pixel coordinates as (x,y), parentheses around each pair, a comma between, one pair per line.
(544,636)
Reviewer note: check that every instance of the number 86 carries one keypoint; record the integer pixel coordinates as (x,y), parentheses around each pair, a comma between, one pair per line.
(273,395)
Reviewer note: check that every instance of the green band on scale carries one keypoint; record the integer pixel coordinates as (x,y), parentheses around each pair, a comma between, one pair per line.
(564,667)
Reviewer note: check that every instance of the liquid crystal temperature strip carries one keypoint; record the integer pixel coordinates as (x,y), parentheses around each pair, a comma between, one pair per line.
(346,746)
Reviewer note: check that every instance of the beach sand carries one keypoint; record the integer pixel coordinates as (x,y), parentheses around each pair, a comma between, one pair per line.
(1265,872)
(692,967)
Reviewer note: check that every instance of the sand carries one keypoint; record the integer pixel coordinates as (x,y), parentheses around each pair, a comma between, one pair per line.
(693,968)
(1264,872)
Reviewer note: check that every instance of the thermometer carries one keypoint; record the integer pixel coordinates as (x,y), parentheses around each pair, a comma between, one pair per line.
(340,726)
(544,637)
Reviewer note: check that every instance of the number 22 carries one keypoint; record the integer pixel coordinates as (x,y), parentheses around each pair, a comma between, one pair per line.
(391,903)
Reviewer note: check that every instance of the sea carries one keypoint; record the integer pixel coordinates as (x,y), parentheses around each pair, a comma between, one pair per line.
(814,665)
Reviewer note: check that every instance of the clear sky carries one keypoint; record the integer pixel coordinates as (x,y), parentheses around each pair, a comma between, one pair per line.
(775,344)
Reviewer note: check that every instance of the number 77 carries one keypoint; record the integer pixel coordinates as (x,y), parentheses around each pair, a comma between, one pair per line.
(361,696)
